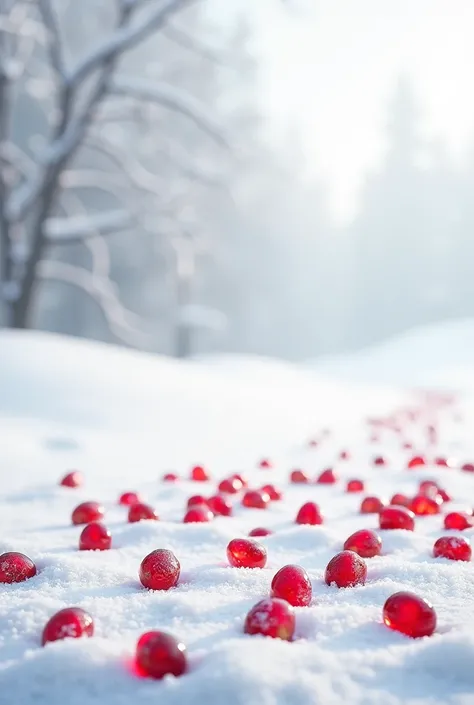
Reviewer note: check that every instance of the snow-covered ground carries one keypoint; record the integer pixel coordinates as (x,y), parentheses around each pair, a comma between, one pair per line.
(125,419)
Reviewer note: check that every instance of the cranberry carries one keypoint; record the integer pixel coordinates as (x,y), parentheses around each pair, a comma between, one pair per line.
(442,462)
(265,464)
(86,512)
(260,531)
(16,567)
(242,478)
(397,518)
(355,486)
(458,521)
(453,547)
(273,492)
(292,584)
(309,513)
(160,570)
(346,569)
(416,462)
(245,553)
(365,543)
(170,477)
(327,477)
(220,505)
(379,460)
(198,515)
(199,474)
(256,499)
(402,500)
(271,617)
(423,505)
(72,622)
(95,537)
(468,467)
(299,477)
(197,499)
(407,613)
(230,486)
(371,505)
(129,498)
(159,654)
(140,512)
(72,479)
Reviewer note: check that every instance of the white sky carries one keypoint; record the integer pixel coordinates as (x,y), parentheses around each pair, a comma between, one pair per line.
(331,69)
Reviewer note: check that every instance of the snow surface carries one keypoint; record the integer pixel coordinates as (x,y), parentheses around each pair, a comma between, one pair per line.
(124,419)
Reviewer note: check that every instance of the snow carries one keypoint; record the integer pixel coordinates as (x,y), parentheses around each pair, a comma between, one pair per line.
(126,418)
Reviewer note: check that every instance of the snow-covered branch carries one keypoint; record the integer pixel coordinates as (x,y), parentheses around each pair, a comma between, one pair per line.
(61,231)
(54,42)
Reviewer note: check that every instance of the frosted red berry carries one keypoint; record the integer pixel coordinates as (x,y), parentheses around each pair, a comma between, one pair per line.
(197,500)
(198,514)
(309,513)
(273,492)
(129,498)
(159,570)
(16,567)
(231,485)
(220,505)
(416,462)
(366,543)
(397,518)
(346,569)
(412,615)
(260,531)
(292,584)
(159,654)
(170,477)
(299,477)
(265,464)
(401,499)
(256,499)
(444,495)
(141,512)
(86,512)
(423,505)
(355,486)
(453,547)
(468,467)
(242,478)
(379,460)
(95,537)
(72,479)
(458,521)
(428,488)
(71,622)
(199,474)
(271,617)
(371,505)
(327,477)
(246,553)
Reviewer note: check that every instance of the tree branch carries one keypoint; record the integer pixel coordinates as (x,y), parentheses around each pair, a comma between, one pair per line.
(185,41)
(50,22)
(73,229)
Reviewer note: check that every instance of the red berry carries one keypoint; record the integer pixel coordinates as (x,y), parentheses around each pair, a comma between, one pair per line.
(141,511)
(292,584)
(159,570)
(299,477)
(72,479)
(428,488)
(309,513)
(271,617)
(365,543)
(444,495)
(327,477)
(346,569)
(170,477)
(230,486)
(423,505)
(468,467)
(220,505)
(355,486)
(344,455)
(407,613)
(16,567)
(260,531)
(402,500)
(371,505)
(198,515)
(397,518)
(265,464)
(159,654)
(86,512)
(197,500)
(458,521)
(256,499)
(245,553)
(274,493)
(379,460)
(416,462)
(72,622)
(95,537)
(199,474)
(453,547)
(242,478)
(129,498)
(442,462)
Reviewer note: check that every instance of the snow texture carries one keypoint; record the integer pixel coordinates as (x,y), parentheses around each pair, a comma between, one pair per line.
(124,419)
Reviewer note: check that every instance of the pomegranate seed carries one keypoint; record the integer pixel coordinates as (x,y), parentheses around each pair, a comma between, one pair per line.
(271,617)
(198,515)
(292,584)
(416,462)
(95,537)
(16,567)
(245,553)
(397,518)
(220,505)
(327,477)
(170,477)
(242,478)
(265,464)
(423,505)
(453,547)
(260,531)
(365,543)
(86,512)
(72,622)
(442,462)
(230,486)
(402,500)
(140,512)
(407,613)
(346,569)
(355,486)
(468,467)
(160,570)
(309,513)
(159,654)
(371,505)
(256,499)
(273,492)
(197,500)
(458,520)
(72,479)
(379,460)
(129,498)
(299,477)
(199,474)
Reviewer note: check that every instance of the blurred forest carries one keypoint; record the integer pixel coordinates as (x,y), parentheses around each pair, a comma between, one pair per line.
(229,246)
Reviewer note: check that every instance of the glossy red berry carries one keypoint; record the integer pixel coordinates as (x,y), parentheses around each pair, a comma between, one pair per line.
(220,505)
(309,513)
(16,567)
(371,505)
(453,547)
(346,569)
(271,617)
(299,477)
(159,654)
(260,531)
(458,520)
(72,622)
(246,553)
(242,478)
(401,499)
(379,460)
(292,584)
(141,512)
(230,486)
(198,514)
(170,477)
(86,512)
(423,505)
(327,477)
(428,488)
(273,492)
(199,474)
(397,518)
(442,462)
(355,486)
(72,479)
(129,498)
(366,543)
(265,464)
(256,499)
(407,613)
(444,495)
(197,500)
(95,537)
(160,570)
(416,462)
(468,467)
